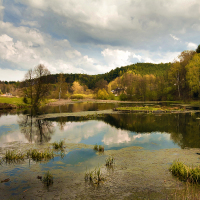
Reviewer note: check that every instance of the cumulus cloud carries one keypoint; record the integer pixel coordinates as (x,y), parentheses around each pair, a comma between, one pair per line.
(69,37)
(191,46)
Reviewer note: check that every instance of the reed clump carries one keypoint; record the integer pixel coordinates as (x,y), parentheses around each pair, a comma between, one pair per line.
(109,161)
(98,148)
(13,156)
(40,155)
(47,179)
(94,177)
(58,145)
(185,173)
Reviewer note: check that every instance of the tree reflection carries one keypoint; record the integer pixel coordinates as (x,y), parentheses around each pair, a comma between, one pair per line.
(35,130)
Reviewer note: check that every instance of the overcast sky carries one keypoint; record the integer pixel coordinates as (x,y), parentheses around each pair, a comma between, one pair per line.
(93,36)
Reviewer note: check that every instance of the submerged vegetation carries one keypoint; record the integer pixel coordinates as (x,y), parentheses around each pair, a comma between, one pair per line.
(186,173)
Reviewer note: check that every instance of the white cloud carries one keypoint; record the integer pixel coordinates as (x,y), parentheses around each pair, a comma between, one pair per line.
(11,75)
(72,53)
(174,37)
(116,58)
(30,23)
(191,46)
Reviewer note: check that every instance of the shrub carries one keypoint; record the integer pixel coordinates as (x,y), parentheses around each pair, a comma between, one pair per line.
(111,96)
(123,97)
(102,94)
(76,96)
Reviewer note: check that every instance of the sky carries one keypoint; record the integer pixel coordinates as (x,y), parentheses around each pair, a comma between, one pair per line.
(95,36)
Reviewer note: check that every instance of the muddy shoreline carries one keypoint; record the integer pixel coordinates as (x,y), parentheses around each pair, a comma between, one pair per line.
(137,173)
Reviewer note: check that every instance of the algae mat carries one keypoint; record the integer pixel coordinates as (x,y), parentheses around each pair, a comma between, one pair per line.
(137,174)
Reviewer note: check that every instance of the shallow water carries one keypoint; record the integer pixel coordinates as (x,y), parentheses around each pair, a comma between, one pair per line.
(22,131)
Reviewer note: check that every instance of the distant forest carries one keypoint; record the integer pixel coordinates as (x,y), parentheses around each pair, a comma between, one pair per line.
(179,80)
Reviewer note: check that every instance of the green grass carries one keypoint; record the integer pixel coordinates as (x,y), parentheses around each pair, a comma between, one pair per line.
(48,179)
(185,173)
(40,155)
(12,100)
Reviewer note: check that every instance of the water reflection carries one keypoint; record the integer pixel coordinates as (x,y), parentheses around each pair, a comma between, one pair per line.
(35,130)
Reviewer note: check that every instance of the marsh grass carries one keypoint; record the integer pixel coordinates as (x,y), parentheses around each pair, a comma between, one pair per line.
(39,155)
(185,173)
(94,177)
(58,145)
(13,156)
(47,179)
(149,108)
(98,148)
(109,161)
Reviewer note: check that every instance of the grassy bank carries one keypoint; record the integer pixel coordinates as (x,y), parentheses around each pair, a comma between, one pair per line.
(11,102)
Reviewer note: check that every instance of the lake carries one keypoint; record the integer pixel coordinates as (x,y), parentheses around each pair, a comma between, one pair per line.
(21,131)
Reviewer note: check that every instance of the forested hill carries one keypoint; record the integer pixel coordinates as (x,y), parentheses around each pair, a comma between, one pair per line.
(139,68)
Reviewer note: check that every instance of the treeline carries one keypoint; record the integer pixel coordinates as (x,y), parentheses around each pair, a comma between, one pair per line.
(179,80)
(91,80)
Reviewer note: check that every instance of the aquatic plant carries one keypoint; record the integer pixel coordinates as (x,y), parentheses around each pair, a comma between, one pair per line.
(101,148)
(185,173)
(95,147)
(47,179)
(94,176)
(38,156)
(109,161)
(58,145)
(11,155)
(98,148)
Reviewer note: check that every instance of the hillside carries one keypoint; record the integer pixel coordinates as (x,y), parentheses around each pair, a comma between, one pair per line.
(139,68)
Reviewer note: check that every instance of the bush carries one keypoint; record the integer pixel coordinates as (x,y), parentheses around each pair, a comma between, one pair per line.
(123,97)
(111,96)
(76,96)
(102,94)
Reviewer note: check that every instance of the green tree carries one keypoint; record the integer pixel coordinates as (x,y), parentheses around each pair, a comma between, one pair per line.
(36,84)
(193,74)
(198,49)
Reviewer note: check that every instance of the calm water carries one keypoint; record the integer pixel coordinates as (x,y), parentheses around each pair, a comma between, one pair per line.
(113,131)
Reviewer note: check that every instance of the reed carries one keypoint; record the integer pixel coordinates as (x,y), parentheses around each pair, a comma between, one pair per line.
(58,145)
(98,148)
(13,156)
(39,155)
(109,161)
(185,173)
(47,179)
